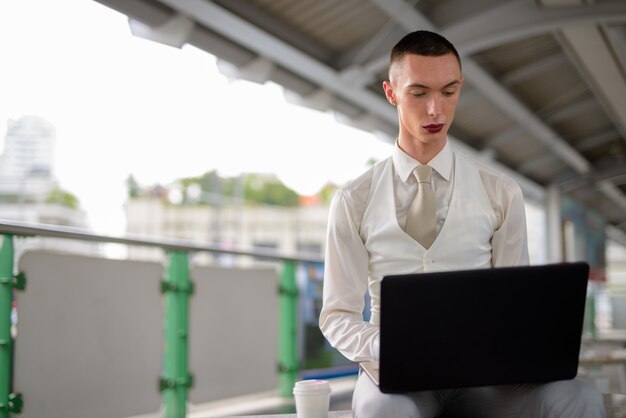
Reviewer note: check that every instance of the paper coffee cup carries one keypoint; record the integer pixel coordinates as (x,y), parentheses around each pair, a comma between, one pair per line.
(312,398)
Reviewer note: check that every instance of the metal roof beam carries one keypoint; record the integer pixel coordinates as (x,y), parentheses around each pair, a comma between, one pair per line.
(613,174)
(521,19)
(597,140)
(174,32)
(405,14)
(150,14)
(590,49)
(572,110)
(531,69)
(509,22)
(523,116)
(259,70)
(359,55)
(270,47)
(249,10)
(595,60)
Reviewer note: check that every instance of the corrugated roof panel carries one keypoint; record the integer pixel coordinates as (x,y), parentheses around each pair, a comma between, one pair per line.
(549,91)
(337,25)
(446,12)
(512,56)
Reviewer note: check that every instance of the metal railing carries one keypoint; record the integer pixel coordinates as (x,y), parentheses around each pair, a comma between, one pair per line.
(177,287)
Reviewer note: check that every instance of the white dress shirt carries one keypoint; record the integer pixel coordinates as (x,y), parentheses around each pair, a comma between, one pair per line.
(355,261)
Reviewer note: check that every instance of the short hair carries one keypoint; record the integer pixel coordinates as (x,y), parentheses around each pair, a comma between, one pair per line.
(423,42)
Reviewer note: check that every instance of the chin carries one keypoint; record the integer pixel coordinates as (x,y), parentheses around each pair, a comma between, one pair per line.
(434,138)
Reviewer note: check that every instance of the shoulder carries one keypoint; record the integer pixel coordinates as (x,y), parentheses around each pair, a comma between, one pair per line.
(357,190)
(496,181)
(354,195)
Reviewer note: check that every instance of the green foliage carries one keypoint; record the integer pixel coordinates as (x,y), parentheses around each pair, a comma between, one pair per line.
(212,189)
(269,191)
(253,188)
(327,192)
(132,187)
(63,198)
(207,188)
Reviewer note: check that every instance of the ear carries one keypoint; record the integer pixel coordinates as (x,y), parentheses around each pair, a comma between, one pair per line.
(389,93)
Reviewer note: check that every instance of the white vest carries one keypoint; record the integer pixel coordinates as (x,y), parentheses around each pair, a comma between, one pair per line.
(464,241)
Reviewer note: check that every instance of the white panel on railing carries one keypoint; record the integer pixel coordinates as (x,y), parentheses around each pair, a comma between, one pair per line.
(90,335)
(233,332)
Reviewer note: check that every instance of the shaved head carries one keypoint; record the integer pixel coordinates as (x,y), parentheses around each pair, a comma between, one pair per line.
(420,42)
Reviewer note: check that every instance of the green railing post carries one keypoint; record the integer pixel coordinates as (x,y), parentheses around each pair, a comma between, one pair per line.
(6,299)
(288,355)
(176,378)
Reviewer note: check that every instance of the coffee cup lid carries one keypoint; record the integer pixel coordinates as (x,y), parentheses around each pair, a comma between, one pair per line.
(311,387)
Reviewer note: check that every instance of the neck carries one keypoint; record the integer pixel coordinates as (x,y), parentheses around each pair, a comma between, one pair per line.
(421,151)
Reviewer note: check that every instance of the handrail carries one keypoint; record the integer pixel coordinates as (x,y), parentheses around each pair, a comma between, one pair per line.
(21,228)
(176,378)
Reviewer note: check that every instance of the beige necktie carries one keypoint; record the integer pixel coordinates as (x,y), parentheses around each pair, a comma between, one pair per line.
(421,218)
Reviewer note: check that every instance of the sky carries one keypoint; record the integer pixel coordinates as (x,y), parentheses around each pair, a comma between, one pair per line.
(124,105)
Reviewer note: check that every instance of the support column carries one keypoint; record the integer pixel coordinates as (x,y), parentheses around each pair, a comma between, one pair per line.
(554,225)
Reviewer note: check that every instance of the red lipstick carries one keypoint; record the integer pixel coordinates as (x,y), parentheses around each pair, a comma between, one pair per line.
(434,128)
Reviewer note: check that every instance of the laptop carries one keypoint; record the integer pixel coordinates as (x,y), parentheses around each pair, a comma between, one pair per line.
(499,326)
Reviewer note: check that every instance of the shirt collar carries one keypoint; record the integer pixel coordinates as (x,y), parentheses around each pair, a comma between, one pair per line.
(405,164)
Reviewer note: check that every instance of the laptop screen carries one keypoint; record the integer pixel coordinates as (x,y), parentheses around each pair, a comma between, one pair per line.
(481,327)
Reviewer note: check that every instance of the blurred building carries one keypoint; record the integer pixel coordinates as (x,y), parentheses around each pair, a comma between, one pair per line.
(29,191)
(227,223)
(28,188)
(28,149)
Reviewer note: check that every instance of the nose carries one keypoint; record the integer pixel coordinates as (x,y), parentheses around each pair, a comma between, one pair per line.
(434,106)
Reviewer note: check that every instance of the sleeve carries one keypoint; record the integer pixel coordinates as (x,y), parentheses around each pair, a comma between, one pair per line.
(345,284)
(510,241)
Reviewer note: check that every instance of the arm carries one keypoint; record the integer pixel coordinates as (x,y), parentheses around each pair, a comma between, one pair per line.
(510,242)
(345,284)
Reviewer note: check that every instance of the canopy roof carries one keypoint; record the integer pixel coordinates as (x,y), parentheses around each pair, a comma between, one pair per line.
(545,80)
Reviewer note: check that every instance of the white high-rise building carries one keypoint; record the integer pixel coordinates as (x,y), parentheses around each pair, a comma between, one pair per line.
(28,149)
(27,178)
(28,187)
(26,163)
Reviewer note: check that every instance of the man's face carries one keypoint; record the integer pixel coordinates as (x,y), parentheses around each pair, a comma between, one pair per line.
(426,92)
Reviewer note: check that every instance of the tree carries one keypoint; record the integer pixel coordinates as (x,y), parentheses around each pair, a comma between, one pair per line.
(268,190)
(257,188)
(327,192)
(63,198)
(132,187)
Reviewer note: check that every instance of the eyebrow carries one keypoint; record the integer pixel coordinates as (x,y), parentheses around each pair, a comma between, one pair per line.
(422,86)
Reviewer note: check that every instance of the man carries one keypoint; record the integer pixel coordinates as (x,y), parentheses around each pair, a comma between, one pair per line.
(428,208)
